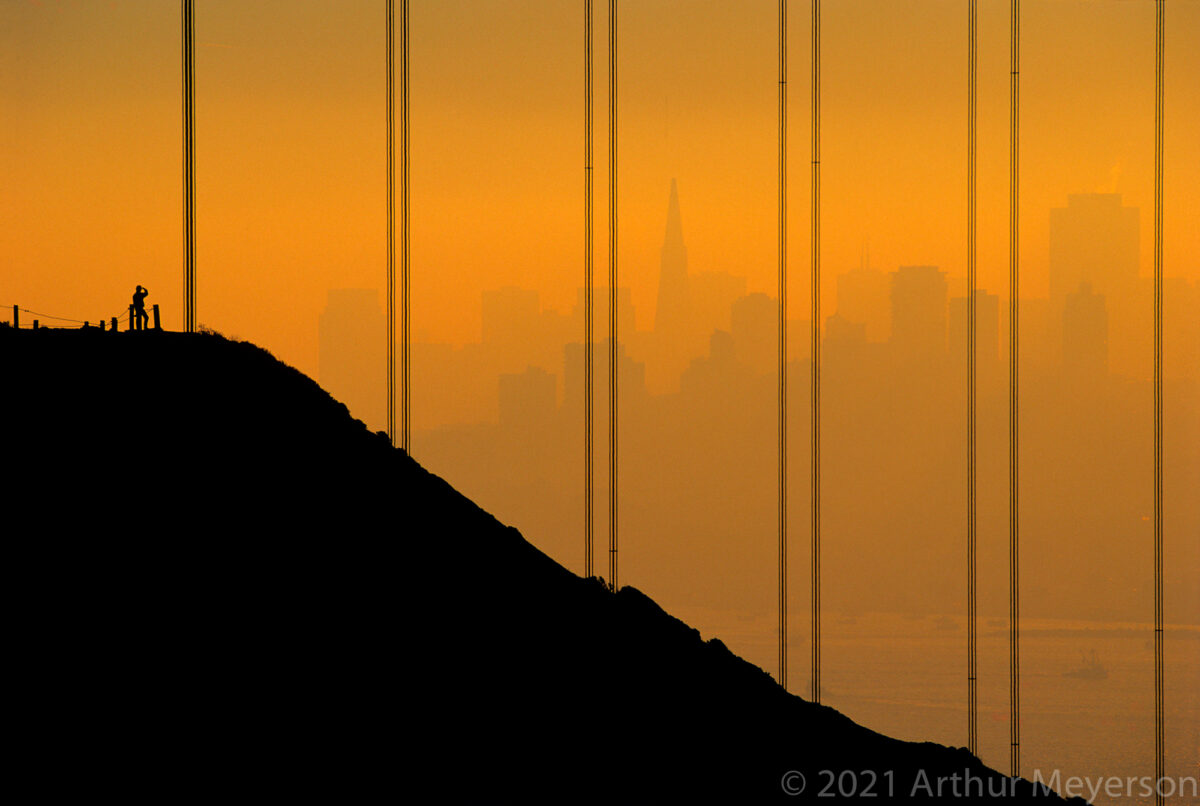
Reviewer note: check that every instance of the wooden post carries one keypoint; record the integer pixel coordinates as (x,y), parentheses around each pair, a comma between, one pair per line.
(101,325)
(16,316)
(157,324)
(132,318)
(35,324)
(114,324)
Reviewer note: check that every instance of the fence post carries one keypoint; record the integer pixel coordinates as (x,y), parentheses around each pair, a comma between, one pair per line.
(132,318)
(114,324)
(102,325)
(157,325)
(16,317)
(35,324)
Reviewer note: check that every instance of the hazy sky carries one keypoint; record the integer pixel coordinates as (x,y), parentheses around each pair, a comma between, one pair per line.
(291,136)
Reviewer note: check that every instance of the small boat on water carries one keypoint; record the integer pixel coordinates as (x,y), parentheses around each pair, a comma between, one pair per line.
(1092,669)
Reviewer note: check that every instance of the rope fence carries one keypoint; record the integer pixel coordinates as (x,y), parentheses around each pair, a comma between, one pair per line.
(104,323)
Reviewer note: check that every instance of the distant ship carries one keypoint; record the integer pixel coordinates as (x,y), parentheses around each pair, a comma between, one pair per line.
(1092,669)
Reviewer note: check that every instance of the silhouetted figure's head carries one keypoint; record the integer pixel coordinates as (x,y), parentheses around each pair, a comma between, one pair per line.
(141,318)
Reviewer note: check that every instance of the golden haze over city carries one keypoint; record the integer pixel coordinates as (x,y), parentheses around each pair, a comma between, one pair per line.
(290,175)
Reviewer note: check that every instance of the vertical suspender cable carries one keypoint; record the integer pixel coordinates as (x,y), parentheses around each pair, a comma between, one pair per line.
(189,167)
(783,575)
(612,293)
(1159,712)
(587,288)
(406,321)
(972,667)
(1014,261)
(390,333)
(816,351)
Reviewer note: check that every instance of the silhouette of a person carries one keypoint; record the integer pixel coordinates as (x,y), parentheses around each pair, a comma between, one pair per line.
(139,309)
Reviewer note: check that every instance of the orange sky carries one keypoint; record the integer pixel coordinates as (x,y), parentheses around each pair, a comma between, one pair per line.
(290,106)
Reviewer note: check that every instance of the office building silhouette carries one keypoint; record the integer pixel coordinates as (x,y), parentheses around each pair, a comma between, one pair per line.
(918,297)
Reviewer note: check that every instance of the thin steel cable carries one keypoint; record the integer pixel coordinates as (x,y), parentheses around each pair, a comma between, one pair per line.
(51,316)
(972,647)
(405,275)
(189,167)
(1014,266)
(1159,661)
(192,308)
(390,334)
(588,536)
(816,350)
(783,557)
(612,294)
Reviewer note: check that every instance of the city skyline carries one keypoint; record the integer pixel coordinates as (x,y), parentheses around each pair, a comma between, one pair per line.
(290,145)
(516,323)
(1077,455)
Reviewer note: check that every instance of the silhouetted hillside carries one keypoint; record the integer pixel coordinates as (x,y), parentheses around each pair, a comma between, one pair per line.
(223,585)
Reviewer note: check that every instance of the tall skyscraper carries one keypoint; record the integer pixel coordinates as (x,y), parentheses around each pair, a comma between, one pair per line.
(987,330)
(919,312)
(528,400)
(351,354)
(1093,239)
(755,330)
(844,345)
(671,315)
(1085,334)
(631,377)
(711,295)
(863,296)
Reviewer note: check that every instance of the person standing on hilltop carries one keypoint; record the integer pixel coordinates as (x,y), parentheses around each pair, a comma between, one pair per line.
(140,319)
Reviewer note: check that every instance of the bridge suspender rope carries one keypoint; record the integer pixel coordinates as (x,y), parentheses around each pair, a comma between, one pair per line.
(1159,712)
(390,335)
(816,351)
(405,351)
(612,294)
(1014,260)
(405,319)
(587,288)
(783,576)
(972,647)
(189,167)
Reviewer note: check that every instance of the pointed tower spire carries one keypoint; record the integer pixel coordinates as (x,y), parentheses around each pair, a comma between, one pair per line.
(672,313)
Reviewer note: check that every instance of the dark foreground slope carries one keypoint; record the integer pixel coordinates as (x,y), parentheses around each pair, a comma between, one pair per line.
(222,585)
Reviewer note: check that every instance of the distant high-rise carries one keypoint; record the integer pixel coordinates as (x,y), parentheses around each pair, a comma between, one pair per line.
(1093,239)
(863,296)
(844,344)
(528,400)
(626,315)
(987,329)
(518,332)
(631,377)
(711,297)
(919,312)
(717,376)
(755,330)
(351,362)
(671,315)
(1085,334)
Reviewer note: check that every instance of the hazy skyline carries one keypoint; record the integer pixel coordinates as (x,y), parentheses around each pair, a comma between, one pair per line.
(290,106)
(290,148)
(501,416)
